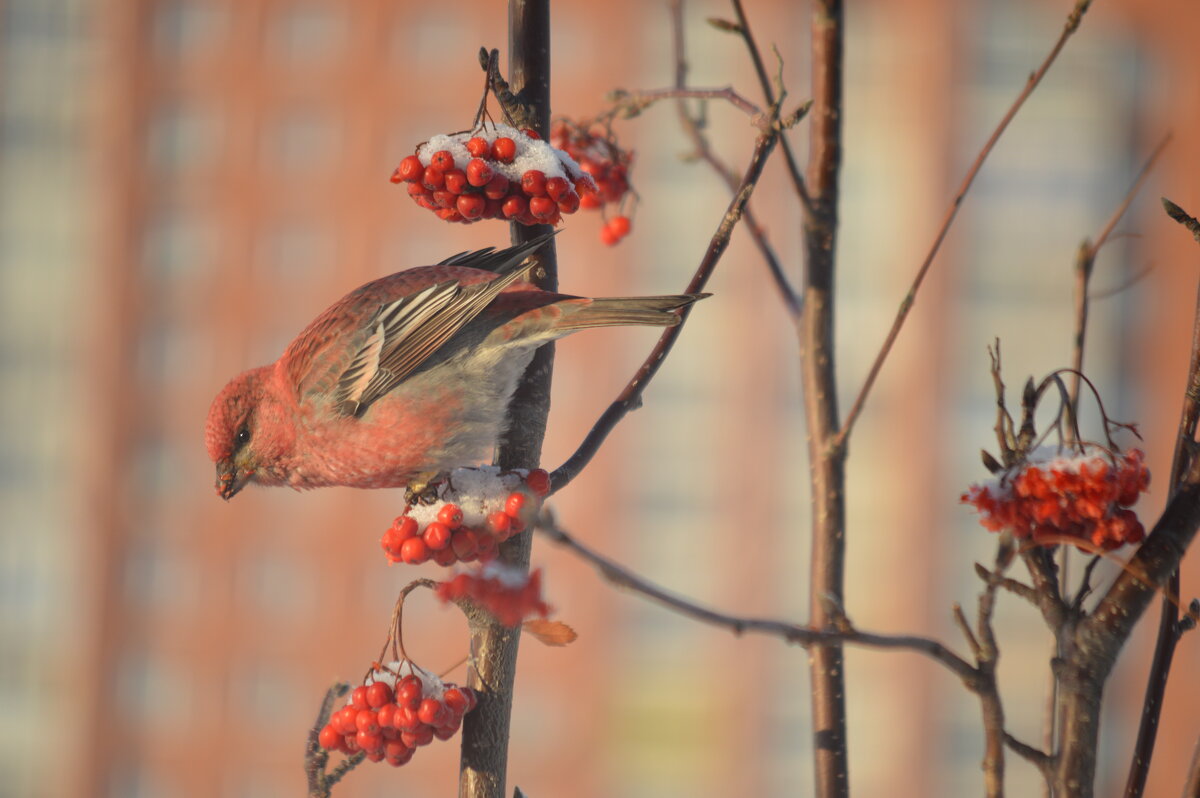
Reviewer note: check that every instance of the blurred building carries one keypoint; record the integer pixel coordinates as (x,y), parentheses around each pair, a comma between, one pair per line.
(185,183)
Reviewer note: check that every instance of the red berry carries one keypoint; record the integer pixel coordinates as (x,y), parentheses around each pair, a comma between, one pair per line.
(414,551)
(478,147)
(471,206)
(378,694)
(472,698)
(533,183)
(405,526)
(514,206)
(607,236)
(445,732)
(415,739)
(593,168)
(358,698)
(497,187)
(445,199)
(504,149)
(499,525)
(486,548)
(350,743)
(431,712)
(557,187)
(409,691)
(478,172)
(410,169)
(531,133)
(396,749)
(387,717)
(515,504)
(590,200)
(433,179)
(569,202)
(367,720)
(437,536)
(619,225)
(417,190)
(329,738)
(375,755)
(406,719)
(543,208)
(445,557)
(538,481)
(456,181)
(369,741)
(463,544)
(345,720)
(493,209)
(456,700)
(451,515)
(442,159)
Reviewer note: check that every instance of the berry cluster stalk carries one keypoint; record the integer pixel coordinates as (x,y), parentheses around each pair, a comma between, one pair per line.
(486,730)
(826,459)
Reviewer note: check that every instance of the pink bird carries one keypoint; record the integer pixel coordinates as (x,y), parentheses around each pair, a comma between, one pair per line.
(406,377)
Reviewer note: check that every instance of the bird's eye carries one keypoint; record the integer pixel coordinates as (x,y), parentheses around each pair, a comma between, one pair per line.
(242,437)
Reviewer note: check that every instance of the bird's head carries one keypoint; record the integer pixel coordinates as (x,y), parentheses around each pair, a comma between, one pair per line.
(243,432)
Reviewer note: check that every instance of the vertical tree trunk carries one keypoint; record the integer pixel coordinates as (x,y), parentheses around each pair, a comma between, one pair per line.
(486,730)
(826,461)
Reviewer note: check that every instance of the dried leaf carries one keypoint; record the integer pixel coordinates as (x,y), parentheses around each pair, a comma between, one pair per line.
(550,633)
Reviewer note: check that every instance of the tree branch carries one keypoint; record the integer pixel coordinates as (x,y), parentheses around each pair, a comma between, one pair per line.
(1168,624)
(805,636)
(631,396)
(1069,28)
(827,482)
(485,735)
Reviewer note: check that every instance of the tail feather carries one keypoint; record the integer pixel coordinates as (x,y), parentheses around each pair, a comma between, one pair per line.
(656,311)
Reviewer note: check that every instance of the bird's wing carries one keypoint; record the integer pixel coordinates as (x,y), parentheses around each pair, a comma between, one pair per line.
(408,330)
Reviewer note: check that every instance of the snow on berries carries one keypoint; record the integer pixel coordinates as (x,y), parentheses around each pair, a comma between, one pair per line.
(494,172)
(510,594)
(594,146)
(1049,496)
(397,709)
(476,510)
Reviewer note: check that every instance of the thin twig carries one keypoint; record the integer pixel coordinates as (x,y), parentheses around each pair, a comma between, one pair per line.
(631,396)
(768,91)
(316,758)
(1069,28)
(627,104)
(703,150)
(793,633)
(1039,759)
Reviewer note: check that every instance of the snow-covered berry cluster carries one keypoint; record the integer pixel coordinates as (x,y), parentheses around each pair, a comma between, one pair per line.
(510,594)
(394,712)
(476,510)
(595,148)
(494,172)
(1049,497)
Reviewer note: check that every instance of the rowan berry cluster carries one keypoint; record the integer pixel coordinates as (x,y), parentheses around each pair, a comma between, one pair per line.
(494,172)
(1049,497)
(510,594)
(394,712)
(595,148)
(477,510)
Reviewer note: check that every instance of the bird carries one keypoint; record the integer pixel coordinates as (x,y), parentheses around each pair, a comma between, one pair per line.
(405,377)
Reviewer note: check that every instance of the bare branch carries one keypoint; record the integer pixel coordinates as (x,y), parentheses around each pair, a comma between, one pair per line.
(631,396)
(692,127)
(1069,28)
(793,633)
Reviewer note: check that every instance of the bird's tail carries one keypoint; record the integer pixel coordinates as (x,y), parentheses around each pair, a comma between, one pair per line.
(657,311)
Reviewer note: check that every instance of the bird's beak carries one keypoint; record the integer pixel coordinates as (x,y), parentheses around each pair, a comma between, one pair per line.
(231,479)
